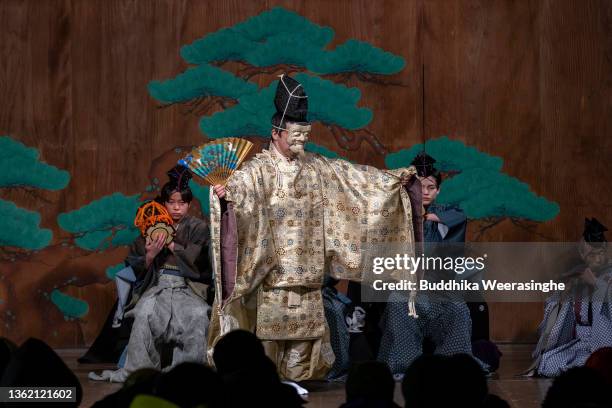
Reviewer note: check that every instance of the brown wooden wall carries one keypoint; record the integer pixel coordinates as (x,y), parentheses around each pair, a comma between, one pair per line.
(529,81)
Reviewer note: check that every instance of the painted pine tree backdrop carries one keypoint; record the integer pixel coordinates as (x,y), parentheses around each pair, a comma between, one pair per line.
(100,98)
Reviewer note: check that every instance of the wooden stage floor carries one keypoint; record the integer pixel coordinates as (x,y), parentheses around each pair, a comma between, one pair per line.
(519,392)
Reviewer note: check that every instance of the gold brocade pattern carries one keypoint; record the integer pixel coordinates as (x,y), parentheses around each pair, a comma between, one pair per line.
(278,319)
(294,225)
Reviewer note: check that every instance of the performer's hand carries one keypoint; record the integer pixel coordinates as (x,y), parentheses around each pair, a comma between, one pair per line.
(154,247)
(588,277)
(404,179)
(219,190)
(171,246)
(432,217)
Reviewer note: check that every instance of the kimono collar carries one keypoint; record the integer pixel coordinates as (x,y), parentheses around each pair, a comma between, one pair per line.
(278,158)
(278,154)
(184,221)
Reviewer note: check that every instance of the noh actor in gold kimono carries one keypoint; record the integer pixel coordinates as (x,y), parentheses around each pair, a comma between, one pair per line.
(285,219)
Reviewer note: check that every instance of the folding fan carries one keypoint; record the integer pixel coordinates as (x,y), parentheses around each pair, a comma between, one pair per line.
(152,219)
(216,161)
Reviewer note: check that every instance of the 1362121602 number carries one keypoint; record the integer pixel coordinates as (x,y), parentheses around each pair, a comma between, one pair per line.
(48,394)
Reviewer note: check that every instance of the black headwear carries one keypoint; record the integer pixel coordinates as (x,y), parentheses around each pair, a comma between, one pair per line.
(594,231)
(424,164)
(290,101)
(179,176)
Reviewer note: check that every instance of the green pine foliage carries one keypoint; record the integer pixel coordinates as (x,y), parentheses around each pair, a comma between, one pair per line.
(251,117)
(20,166)
(108,221)
(479,188)
(71,307)
(203,80)
(483,193)
(125,236)
(357,56)
(334,104)
(21,228)
(329,103)
(279,21)
(276,37)
(288,49)
(226,44)
(262,42)
(450,155)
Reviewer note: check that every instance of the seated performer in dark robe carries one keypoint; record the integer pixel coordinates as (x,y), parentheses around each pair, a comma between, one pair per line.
(578,321)
(110,346)
(169,307)
(443,317)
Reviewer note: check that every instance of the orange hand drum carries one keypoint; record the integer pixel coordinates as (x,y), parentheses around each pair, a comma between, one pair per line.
(152,219)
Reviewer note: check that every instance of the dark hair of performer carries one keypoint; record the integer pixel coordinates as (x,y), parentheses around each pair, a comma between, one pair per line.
(176,195)
(429,176)
(170,188)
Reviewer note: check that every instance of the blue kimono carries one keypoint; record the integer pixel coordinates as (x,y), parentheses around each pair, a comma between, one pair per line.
(576,323)
(451,228)
(444,318)
(336,308)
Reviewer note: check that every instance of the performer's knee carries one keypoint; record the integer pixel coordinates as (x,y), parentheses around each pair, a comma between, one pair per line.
(143,310)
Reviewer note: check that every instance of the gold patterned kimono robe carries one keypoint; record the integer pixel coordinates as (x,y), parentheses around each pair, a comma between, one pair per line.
(295,221)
